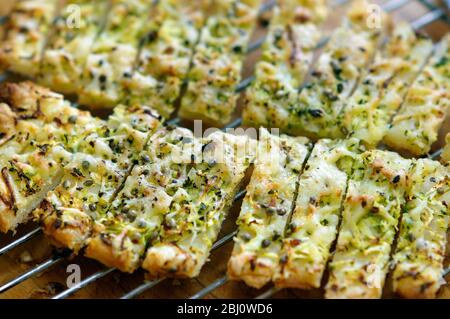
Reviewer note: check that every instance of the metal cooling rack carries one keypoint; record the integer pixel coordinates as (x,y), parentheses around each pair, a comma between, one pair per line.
(433,14)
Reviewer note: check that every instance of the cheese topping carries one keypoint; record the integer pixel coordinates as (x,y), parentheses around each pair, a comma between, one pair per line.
(415,128)
(35,128)
(182,246)
(287,54)
(103,158)
(370,217)
(266,208)
(170,38)
(217,63)
(26,30)
(420,252)
(111,61)
(314,223)
(385,84)
(148,200)
(337,72)
(73,34)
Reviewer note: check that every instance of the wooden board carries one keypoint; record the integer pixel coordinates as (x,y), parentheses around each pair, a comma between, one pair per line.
(117,284)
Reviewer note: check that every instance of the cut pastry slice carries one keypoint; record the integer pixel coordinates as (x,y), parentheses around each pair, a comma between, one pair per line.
(314,223)
(27,28)
(27,174)
(73,35)
(420,253)
(370,217)
(35,128)
(150,197)
(217,64)
(384,86)
(266,208)
(112,59)
(288,51)
(336,73)
(182,246)
(415,127)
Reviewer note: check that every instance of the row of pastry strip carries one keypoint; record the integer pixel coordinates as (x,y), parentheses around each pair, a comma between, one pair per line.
(31,128)
(286,56)
(83,47)
(344,100)
(73,48)
(350,49)
(286,236)
(25,34)
(154,75)
(174,203)
(93,48)
(95,52)
(218,61)
(42,136)
(416,125)
(44,139)
(119,186)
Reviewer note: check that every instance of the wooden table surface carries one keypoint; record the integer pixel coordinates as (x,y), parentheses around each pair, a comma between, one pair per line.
(117,284)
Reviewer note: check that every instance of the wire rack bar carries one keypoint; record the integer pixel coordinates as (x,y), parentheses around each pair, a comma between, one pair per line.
(141,289)
(244,84)
(210,288)
(436,154)
(84,283)
(25,238)
(394,5)
(447,3)
(269,293)
(428,18)
(150,284)
(267,6)
(432,6)
(446,272)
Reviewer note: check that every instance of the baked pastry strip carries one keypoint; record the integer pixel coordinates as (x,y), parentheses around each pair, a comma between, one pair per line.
(217,63)
(266,208)
(35,127)
(420,252)
(151,195)
(27,28)
(103,157)
(337,72)
(112,59)
(171,36)
(370,217)
(287,53)
(315,221)
(415,127)
(73,34)
(182,246)
(385,84)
